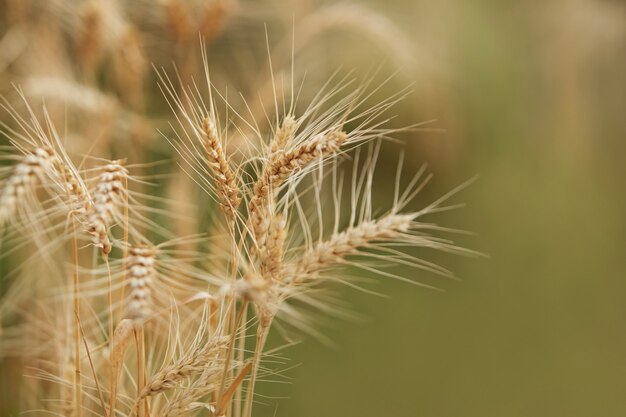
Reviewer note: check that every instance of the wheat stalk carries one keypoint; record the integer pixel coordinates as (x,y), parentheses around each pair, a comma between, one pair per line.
(246,276)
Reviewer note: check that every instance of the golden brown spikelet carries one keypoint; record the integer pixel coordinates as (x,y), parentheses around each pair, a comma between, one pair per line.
(272,258)
(290,162)
(284,134)
(80,205)
(279,169)
(141,272)
(201,359)
(225,180)
(109,198)
(334,250)
(73,189)
(25,175)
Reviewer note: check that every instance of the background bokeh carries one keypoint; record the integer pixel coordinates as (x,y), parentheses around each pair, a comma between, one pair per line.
(531,97)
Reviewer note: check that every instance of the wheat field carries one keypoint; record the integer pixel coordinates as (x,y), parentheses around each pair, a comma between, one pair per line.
(140,285)
(253,208)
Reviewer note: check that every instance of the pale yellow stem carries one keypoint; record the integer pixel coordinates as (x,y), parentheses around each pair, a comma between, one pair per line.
(78,391)
(261,338)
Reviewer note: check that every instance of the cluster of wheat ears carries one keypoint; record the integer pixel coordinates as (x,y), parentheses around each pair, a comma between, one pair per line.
(109,313)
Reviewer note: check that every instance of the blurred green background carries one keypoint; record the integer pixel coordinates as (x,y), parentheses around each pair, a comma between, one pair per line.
(532,97)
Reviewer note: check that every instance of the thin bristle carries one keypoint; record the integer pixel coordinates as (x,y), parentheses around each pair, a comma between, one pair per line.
(320,146)
(81,205)
(77,196)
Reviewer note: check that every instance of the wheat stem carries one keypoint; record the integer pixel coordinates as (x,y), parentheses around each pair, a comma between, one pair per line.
(77,378)
(234,386)
(141,369)
(229,352)
(261,338)
(240,353)
(110,295)
(93,371)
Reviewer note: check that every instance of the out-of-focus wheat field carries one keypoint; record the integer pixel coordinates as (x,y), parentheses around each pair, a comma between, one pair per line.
(528,96)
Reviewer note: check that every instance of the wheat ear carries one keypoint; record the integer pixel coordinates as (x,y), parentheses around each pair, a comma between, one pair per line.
(24,177)
(340,245)
(226,184)
(272,258)
(279,169)
(194,362)
(284,134)
(119,343)
(108,199)
(141,272)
